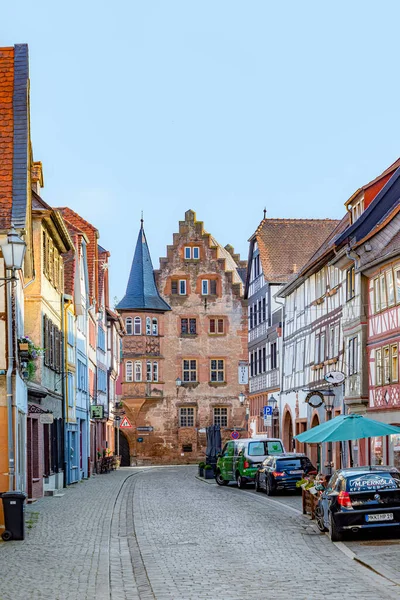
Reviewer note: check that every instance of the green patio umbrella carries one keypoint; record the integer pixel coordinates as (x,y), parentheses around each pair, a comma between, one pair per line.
(346,427)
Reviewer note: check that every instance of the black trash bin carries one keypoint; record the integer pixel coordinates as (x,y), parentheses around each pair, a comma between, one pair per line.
(14,515)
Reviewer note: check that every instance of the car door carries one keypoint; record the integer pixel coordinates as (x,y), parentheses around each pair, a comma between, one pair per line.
(325,500)
(228,461)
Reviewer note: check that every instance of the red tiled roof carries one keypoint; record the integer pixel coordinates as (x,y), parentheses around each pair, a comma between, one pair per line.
(285,245)
(92,252)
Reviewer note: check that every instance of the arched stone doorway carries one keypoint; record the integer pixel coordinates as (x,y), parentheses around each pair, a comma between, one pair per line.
(315,449)
(288,431)
(123,449)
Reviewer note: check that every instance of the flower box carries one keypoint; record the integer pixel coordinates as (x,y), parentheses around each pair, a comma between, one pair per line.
(309,501)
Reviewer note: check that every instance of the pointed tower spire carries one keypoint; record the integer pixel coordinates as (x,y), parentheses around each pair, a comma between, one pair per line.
(141,291)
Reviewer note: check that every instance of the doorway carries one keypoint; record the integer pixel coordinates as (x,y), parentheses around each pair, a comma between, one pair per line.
(123,449)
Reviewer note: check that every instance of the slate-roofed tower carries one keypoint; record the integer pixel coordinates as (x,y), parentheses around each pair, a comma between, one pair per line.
(142,368)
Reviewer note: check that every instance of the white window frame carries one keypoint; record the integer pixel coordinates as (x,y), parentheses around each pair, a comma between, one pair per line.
(196,250)
(204,287)
(148,326)
(137,326)
(182,286)
(155,371)
(188,252)
(129,325)
(138,370)
(129,371)
(352,359)
(154,329)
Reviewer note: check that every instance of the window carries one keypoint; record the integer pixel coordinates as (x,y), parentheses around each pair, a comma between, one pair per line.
(71,388)
(155,371)
(256,266)
(382,287)
(188,253)
(320,284)
(189,370)
(129,371)
(196,253)
(186,416)
(377,301)
(259,311)
(273,356)
(264,359)
(300,355)
(82,376)
(208,287)
(217,370)
(333,341)
(92,334)
(386,365)
(192,252)
(182,287)
(155,326)
(264,310)
(204,287)
(397,282)
(255,314)
(52,342)
(101,380)
(255,363)
(149,371)
(378,367)
(394,362)
(101,339)
(138,371)
(188,326)
(260,363)
(317,349)
(352,359)
(390,287)
(178,287)
(350,283)
(174,287)
(221,416)
(148,326)
(322,355)
(251,365)
(137,326)
(251,317)
(216,326)
(187,448)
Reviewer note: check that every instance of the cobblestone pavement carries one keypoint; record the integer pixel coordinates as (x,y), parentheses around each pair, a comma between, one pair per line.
(162,534)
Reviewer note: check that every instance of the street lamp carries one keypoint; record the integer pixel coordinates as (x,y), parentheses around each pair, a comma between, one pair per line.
(178,383)
(272,401)
(242,398)
(13,251)
(329,400)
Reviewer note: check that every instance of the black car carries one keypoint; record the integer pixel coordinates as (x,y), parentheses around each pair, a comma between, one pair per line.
(360,498)
(282,472)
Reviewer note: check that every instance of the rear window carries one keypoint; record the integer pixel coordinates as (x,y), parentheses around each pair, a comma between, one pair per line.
(372,482)
(261,448)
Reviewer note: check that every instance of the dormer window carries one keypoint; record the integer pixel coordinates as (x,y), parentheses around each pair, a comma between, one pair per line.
(357,208)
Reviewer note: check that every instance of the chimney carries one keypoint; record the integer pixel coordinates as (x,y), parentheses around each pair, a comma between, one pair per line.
(294,268)
(37,177)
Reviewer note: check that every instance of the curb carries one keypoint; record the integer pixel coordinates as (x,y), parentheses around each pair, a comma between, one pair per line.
(209,481)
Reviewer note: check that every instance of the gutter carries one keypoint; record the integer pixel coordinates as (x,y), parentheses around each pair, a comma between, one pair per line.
(10,396)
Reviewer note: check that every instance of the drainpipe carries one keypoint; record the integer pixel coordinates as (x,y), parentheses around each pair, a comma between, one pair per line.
(64,306)
(10,396)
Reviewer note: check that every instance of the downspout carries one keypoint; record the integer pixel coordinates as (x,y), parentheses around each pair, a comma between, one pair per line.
(10,396)
(64,384)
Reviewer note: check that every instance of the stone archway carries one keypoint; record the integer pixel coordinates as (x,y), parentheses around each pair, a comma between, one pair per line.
(314,452)
(288,430)
(123,449)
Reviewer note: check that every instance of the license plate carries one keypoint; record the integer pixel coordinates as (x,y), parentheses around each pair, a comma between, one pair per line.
(380,517)
(295,472)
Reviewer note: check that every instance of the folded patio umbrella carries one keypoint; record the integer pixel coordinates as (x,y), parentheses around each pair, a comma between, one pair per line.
(346,427)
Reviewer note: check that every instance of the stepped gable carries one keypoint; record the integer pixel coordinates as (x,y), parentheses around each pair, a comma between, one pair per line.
(286,245)
(228,260)
(92,234)
(141,291)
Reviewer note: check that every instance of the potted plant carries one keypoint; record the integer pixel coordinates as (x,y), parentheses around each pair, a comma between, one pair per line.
(201,468)
(208,472)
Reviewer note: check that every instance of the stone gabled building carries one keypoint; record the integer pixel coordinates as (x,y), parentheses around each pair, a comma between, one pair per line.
(185,337)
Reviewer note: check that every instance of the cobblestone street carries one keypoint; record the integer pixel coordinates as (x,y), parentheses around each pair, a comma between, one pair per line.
(161,533)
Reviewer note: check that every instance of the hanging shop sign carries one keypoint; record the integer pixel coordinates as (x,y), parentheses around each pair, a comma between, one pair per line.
(243,373)
(96,411)
(46,418)
(335,377)
(315,399)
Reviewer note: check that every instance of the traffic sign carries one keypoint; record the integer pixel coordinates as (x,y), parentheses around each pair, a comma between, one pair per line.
(144,428)
(268,411)
(235,435)
(140,440)
(125,423)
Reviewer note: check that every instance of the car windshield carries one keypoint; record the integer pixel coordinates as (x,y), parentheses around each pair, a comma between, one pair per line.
(366,482)
(263,448)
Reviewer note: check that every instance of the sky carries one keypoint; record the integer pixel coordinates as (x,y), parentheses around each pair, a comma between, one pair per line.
(220,106)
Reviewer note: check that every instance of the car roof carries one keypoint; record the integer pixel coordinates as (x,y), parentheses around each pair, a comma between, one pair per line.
(367,469)
(257,439)
(289,455)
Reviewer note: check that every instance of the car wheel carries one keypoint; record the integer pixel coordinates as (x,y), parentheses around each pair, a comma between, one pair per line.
(319,517)
(220,480)
(240,483)
(268,488)
(334,534)
(258,489)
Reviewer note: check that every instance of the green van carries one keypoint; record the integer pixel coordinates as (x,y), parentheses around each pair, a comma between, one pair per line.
(240,459)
